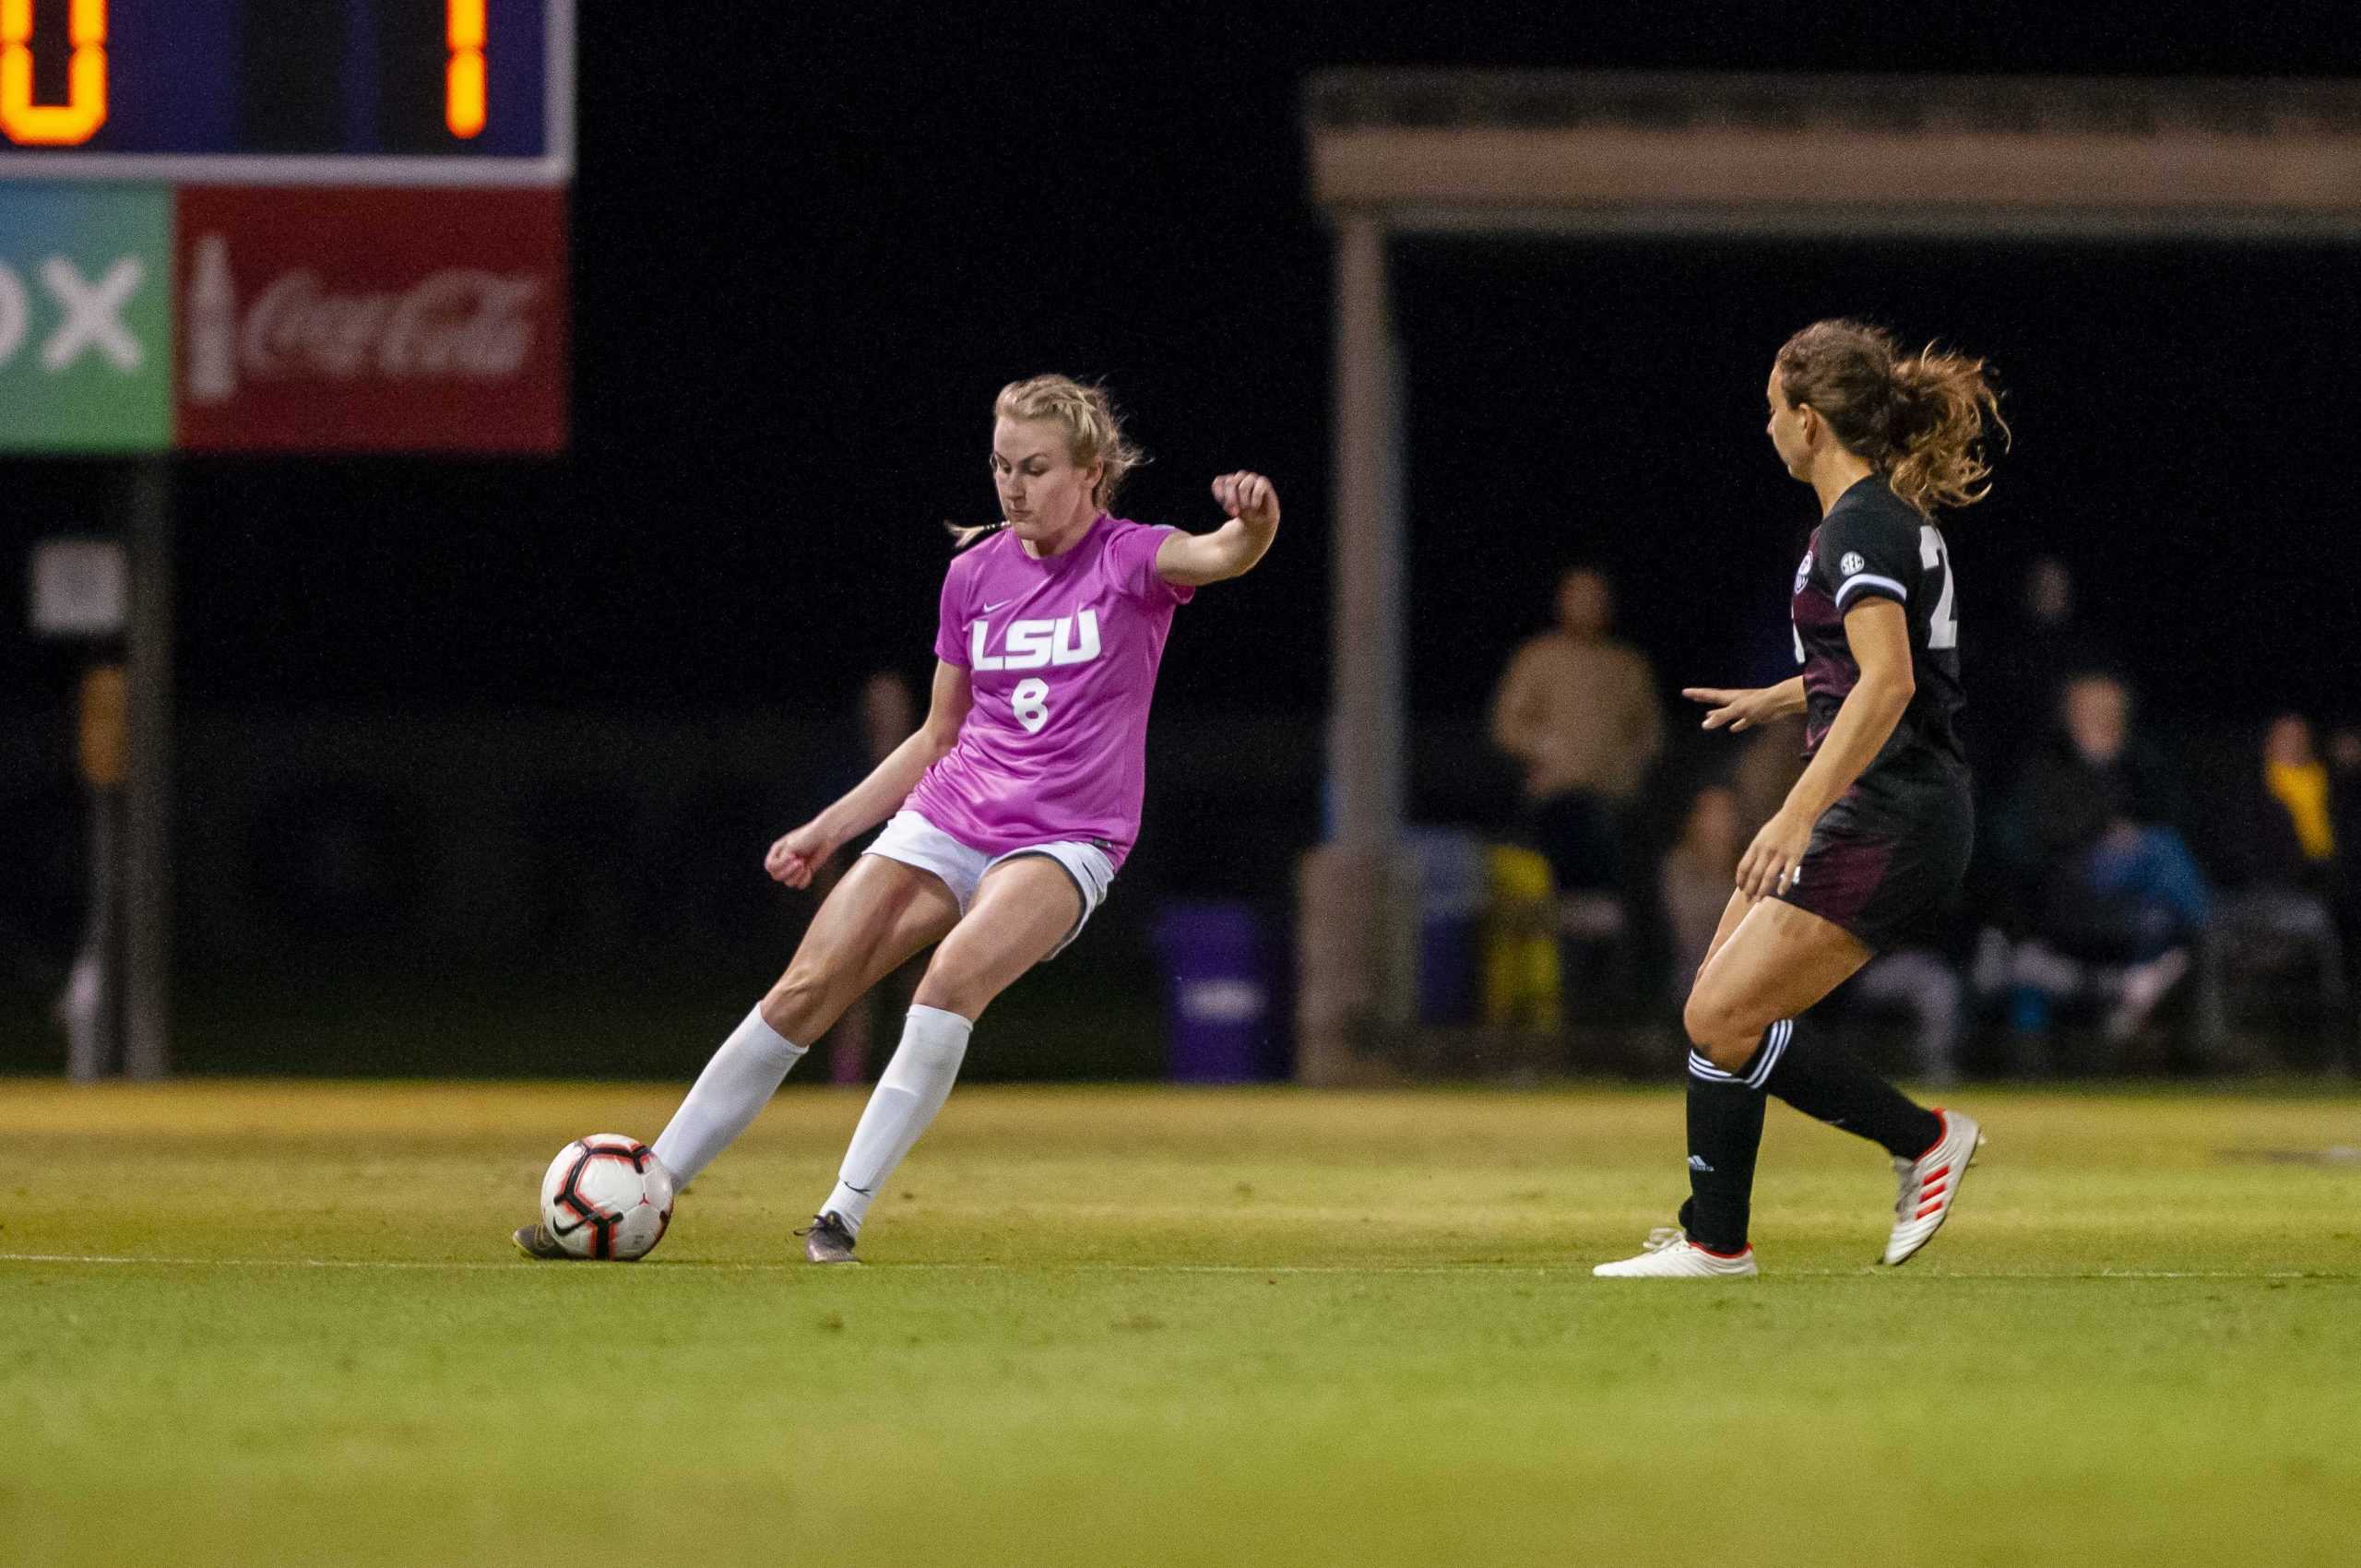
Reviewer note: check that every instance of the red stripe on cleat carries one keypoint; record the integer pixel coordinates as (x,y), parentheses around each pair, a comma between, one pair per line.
(1928,1209)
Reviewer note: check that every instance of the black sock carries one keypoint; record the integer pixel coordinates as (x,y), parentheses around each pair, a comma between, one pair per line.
(1724,1134)
(1824,1080)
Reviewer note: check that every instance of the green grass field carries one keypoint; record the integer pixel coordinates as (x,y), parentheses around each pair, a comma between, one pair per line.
(272,1324)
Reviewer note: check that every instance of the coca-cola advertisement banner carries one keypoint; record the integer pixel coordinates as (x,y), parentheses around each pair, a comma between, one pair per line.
(370,320)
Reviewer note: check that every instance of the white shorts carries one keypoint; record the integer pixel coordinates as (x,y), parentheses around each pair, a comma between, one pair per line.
(914,841)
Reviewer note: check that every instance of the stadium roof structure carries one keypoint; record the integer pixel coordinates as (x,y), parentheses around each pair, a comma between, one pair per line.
(1701,156)
(1971,156)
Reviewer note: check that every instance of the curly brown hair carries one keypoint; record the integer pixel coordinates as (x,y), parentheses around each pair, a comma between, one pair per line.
(1920,420)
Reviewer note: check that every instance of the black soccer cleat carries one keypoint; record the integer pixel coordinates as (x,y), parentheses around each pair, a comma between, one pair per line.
(827,1240)
(535,1241)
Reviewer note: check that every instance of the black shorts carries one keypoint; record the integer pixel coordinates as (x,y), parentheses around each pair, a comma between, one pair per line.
(1883,874)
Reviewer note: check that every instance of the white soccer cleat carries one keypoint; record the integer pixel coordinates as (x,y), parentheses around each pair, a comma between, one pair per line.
(1672,1256)
(1929,1184)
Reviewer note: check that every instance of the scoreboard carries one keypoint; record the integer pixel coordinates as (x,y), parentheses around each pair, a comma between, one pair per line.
(269,226)
(285,225)
(319,92)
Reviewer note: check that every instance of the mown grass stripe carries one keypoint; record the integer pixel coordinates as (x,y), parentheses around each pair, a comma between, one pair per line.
(1540,1270)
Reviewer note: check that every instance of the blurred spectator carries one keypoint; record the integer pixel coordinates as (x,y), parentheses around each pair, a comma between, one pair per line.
(2094,829)
(1578,710)
(2284,834)
(1768,766)
(1723,800)
(1699,873)
(2344,786)
(1923,984)
(2279,857)
(2344,820)
(888,713)
(2020,672)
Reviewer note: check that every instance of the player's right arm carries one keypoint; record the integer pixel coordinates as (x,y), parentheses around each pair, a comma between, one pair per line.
(1197,560)
(796,855)
(1744,708)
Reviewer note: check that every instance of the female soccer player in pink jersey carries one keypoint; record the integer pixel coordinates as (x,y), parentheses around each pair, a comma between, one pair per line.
(1013,804)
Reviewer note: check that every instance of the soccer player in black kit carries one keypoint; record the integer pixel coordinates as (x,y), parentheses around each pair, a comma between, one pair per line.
(1876,833)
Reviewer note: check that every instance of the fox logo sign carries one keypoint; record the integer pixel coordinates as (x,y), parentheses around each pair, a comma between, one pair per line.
(1070,639)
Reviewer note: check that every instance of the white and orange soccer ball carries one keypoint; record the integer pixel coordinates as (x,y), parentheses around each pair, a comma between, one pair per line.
(606,1196)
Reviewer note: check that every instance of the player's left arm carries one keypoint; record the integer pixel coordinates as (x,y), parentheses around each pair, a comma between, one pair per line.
(1877,631)
(1192,560)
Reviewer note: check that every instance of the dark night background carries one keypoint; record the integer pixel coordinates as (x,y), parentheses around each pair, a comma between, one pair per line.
(808,251)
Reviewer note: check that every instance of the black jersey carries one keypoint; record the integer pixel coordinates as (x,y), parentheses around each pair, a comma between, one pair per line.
(1874,543)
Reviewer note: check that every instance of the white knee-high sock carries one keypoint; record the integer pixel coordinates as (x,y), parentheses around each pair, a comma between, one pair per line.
(729,1094)
(910,1090)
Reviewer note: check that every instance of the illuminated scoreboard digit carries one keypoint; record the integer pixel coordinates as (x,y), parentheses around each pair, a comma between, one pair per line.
(288,91)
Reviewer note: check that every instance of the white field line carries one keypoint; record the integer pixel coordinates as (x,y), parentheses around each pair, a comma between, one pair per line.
(783,1266)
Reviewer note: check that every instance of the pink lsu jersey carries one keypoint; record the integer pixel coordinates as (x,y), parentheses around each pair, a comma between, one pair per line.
(1061,656)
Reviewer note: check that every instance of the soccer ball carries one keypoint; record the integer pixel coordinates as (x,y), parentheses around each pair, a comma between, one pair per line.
(606,1196)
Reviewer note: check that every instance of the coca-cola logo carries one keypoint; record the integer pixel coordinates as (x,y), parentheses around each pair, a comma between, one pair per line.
(461,323)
